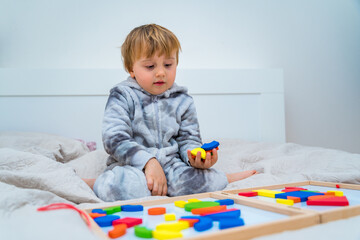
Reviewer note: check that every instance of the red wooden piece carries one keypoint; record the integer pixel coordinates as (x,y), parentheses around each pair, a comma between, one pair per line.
(295,188)
(222,211)
(248,194)
(331,201)
(129,221)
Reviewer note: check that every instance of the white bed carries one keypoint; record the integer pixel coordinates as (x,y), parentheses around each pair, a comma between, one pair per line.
(46,111)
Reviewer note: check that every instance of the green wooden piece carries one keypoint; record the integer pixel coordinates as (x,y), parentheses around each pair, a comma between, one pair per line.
(143,232)
(202,204)
(112,210)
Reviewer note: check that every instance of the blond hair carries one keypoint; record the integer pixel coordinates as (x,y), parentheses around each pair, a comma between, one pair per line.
(146,40)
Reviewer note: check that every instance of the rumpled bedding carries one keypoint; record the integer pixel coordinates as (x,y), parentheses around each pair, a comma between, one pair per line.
(39,173)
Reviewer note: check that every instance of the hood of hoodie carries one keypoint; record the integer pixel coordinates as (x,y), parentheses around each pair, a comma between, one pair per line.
(132,83)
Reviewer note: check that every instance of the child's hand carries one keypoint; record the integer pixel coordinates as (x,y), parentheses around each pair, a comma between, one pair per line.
(155,178)
(209,161)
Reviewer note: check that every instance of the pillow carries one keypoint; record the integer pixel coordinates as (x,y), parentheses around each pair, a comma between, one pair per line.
(56,147)
(90,165)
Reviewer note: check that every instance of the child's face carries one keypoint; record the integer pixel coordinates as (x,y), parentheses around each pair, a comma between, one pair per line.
(155,74)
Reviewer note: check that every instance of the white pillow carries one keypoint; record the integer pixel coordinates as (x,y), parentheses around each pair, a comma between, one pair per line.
(90,165)
(56,147)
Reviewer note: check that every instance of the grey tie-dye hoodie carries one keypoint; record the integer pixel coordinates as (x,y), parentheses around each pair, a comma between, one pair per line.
(138,126)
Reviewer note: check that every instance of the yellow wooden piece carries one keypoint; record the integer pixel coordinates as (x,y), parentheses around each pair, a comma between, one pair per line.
(196,150)
(266,192)
(337,193)
(164,234)
(175,227)
(193,200)
(180,204)
(285,201)
(170,217)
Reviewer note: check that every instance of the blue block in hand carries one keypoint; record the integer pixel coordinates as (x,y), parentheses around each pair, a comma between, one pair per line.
(210,146)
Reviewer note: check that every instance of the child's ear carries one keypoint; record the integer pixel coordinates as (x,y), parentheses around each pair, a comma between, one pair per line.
(132,74)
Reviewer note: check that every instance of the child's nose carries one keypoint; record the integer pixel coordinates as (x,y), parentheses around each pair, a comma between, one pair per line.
(160,72)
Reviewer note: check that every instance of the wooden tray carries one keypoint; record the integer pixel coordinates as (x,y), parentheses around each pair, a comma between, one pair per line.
(326,213)
(261,218)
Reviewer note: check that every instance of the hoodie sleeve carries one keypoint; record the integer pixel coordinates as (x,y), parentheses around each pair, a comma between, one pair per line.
(189,132)
(117,133)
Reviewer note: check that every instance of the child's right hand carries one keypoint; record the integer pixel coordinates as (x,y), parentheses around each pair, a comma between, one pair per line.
(155,178)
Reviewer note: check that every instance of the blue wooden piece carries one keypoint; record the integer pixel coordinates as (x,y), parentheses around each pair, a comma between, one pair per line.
(132,208)
(203,224)
(106,221)
(229,214)
(210,146)
(225,201)
(98,210)
(230,222)
(303,195)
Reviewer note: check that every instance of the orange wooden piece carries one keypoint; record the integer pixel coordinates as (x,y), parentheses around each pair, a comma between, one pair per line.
(95,215)
(118,231)
(157,211)
(329,193)
(316,197)
(190,221)
(208,209)
(210,151)
(295,199)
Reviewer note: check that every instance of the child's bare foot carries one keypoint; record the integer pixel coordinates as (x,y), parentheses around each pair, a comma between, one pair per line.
(90,182)
(232,177)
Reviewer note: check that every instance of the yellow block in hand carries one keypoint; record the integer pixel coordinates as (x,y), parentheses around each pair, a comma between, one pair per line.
(196,150)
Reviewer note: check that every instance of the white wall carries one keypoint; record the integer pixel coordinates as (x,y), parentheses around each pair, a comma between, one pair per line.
(316,42)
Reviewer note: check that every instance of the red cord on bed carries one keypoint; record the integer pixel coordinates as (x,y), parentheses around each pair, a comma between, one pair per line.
(56,206)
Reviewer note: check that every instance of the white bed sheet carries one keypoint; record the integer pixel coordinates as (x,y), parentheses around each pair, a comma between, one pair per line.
(29,180)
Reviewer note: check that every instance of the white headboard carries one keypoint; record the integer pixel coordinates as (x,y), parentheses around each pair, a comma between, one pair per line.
(231,103)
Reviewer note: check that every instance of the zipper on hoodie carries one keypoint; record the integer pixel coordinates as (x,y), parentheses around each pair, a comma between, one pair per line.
(157,120)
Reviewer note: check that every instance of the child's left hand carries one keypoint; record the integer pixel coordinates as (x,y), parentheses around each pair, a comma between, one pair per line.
(209,161)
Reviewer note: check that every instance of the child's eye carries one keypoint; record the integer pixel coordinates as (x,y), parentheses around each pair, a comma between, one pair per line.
(150,67)
(168,65)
